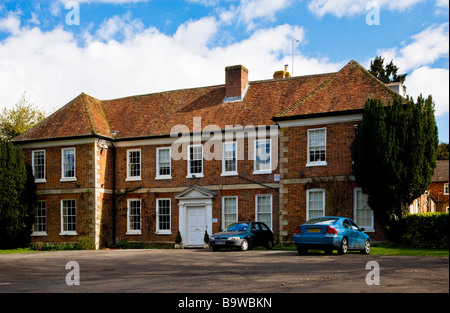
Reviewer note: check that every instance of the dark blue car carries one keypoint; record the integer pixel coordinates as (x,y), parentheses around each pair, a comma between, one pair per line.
(331,233)
(244,235)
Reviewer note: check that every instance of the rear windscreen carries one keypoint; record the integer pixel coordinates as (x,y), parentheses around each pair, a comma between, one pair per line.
(322,221)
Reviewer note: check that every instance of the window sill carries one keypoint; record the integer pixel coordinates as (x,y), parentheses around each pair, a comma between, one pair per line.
(133,232)
(195,176)
(133,178)
(68,233)
(68,179)
(38,181)
(261,172)
(229,174)
(164,232)
(321,163)
(39,234)
(163,177)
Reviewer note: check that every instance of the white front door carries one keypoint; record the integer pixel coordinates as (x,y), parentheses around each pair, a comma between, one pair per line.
(196,217)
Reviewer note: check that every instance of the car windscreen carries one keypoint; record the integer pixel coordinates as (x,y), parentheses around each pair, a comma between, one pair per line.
(322,221)
(238,227)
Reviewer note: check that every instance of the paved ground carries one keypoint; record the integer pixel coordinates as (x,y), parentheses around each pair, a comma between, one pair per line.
(204,271)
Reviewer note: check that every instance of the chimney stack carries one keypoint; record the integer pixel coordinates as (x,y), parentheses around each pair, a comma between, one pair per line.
(236,83)
(282,74)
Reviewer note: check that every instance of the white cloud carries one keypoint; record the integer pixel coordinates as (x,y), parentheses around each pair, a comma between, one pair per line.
(426,47)
(430,81)
(250,10)
(53,69)
(340,8)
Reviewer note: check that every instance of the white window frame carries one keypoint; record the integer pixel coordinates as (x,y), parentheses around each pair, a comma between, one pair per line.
(134,231)
(316,163)
(36,220)
(37,180)
(224,171)
(129,177)
(158,176)
(163,231)
(367,228)
(308,192)
(255,162)
(223,209)
(68,232)
(191,175)
(69,178)
(271,209)
(446,189)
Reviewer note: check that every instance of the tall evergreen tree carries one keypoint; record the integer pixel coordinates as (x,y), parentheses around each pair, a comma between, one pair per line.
(17,194)
(394,154)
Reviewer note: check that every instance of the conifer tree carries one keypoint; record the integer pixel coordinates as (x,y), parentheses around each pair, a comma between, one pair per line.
(394,154)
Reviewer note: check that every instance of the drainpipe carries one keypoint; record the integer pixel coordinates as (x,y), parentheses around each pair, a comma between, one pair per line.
(114,207)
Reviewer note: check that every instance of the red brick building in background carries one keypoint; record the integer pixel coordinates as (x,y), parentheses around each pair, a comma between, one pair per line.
(142,168)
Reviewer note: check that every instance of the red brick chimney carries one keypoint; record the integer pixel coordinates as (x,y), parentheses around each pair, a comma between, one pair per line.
(236,80)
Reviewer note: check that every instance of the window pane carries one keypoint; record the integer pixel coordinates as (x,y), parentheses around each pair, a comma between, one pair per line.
(264,209)
(262,157)
(39,164)
(363,212)
(40,217)
(229,156)
(135,215)
(317,145)
(69,163)
(164,214)
(195,160)
(164,162)
(69,215)
(134,163)
(229,211)
(316,206)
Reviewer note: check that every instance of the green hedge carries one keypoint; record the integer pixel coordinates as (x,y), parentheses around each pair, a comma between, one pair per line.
(426,230)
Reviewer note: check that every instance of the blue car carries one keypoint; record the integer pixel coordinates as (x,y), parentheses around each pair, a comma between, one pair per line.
(331,233)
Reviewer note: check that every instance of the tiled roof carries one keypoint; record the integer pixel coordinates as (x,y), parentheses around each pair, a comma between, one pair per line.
(441,173)
(155,114)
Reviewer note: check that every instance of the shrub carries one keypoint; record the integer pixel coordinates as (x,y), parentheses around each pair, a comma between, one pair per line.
(86,243)
(178,238)
(426,230)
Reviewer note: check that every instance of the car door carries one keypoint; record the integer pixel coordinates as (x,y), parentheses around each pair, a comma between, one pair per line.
(349,233)
(267,234)
(257,235)
(359,238)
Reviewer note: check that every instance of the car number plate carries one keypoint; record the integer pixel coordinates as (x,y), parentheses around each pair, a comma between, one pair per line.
(220,242)
(314,230)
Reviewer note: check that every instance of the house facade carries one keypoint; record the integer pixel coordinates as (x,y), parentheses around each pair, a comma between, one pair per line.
(142,168)
(435,199)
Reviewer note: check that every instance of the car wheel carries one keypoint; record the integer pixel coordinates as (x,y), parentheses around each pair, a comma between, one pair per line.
(269,245)
(344,246)
(366,249)
(244,245)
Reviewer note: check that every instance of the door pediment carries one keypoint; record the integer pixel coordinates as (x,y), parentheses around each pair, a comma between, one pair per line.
(195,192)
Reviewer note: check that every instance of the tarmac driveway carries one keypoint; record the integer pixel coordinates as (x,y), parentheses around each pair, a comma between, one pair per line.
(204,271)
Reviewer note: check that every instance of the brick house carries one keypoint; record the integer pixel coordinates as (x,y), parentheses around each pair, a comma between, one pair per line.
(142,168)
(435,199)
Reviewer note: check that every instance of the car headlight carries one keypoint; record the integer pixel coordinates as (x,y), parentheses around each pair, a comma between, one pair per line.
(212,237)
(233,238)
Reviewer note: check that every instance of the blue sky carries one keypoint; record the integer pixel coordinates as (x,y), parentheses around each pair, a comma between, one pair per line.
(124,47)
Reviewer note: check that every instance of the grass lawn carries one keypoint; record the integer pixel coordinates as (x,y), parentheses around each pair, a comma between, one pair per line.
(387,249)
(19,250)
